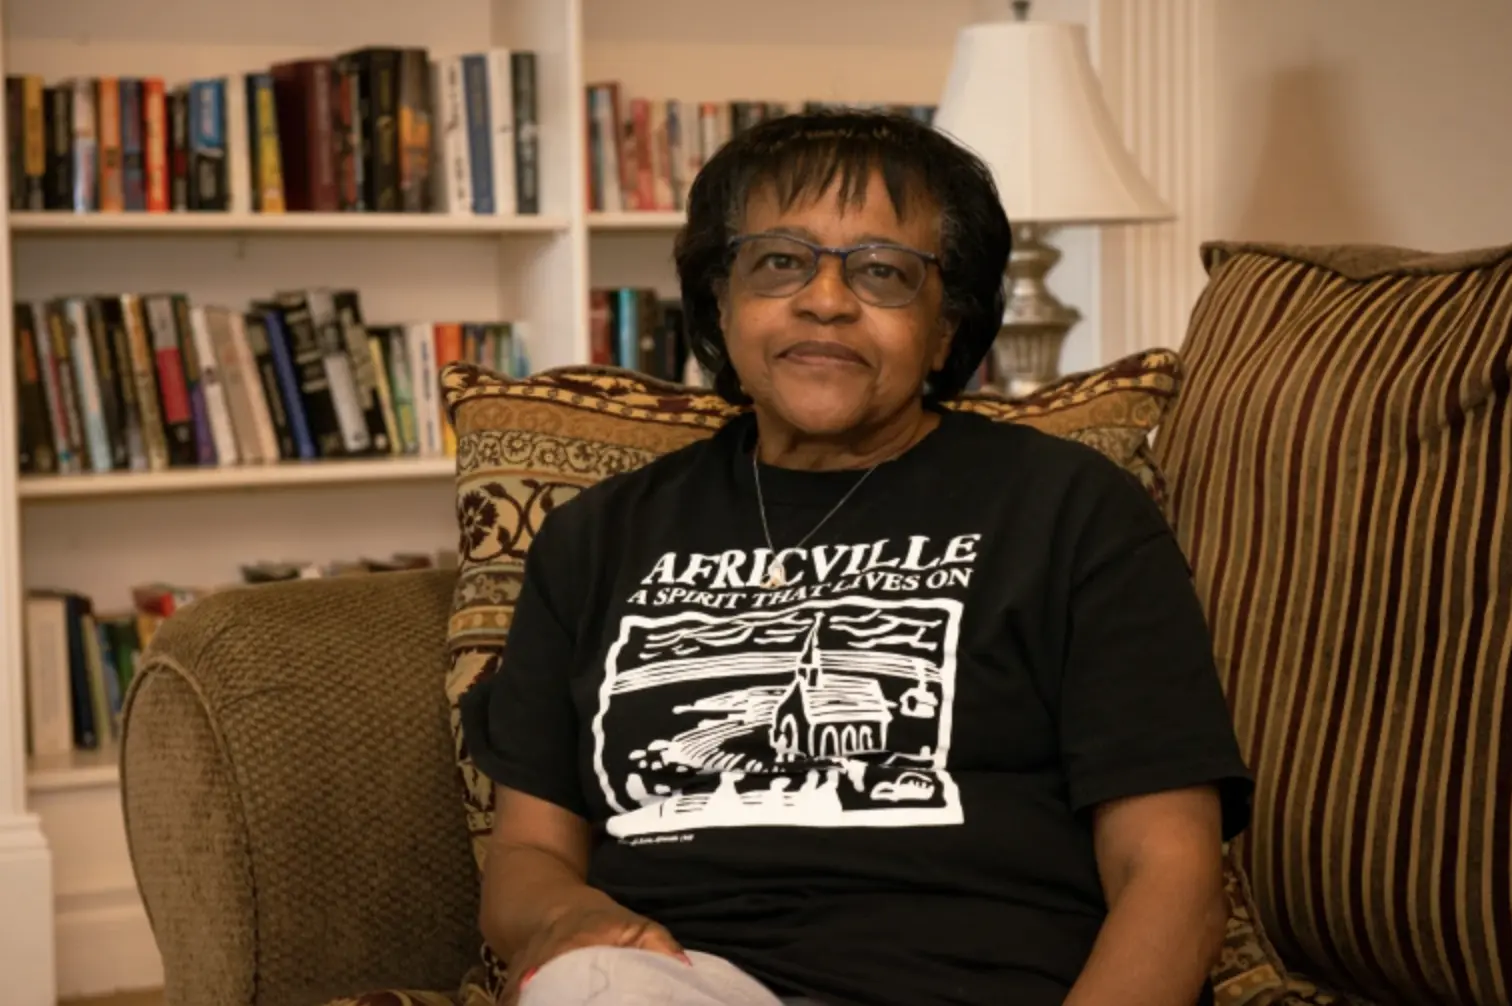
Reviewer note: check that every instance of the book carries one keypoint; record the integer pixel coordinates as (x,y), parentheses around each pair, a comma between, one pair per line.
(153,381)
(377,129)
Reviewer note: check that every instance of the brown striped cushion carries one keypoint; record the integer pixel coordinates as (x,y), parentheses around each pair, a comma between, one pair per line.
(1339,472)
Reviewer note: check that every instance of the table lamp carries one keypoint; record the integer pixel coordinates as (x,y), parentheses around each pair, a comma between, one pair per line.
(1023,96)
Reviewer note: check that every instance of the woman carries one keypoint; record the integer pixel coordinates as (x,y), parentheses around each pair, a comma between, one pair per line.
(860,701)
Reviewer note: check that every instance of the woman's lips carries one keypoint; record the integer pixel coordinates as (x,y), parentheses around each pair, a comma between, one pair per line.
(815,351)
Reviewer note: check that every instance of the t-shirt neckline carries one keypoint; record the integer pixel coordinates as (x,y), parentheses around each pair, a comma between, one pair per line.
(800,487)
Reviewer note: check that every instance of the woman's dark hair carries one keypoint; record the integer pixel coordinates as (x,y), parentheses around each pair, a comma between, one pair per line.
(801,156)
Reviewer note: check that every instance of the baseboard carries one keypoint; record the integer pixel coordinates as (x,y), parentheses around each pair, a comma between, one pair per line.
(26,924)
(106,948)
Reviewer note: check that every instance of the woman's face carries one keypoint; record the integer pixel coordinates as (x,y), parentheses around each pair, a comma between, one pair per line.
(830,356)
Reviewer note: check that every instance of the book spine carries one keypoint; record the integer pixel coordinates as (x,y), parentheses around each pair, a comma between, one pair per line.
(454,174)
(155,144)
(112,182)
(321,149)
(308,358)
(213,390)
(397,356)
(113,319)
(476,94)
(501,130)
(144,374)
(378,351)
(415,138)
(68,386)
(338,372)
(60,162)
(86,731)
(527,125)
(346,134)
(422,350)
(86,164)
(607,156)
(15,141)
(207,145)
(245,381)
(232,376)
(180,179)
(133,152)
(364,370)
(661,155)
(643,168)
(255,327)
(173,389)
(49,702)
(194,383)
(236,130)
(86,313)
(287,370)
(37,453)
(262,118)
(52,390)
(449,349)
(33,103)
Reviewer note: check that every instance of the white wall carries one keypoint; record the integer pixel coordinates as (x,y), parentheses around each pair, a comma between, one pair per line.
(1384,121)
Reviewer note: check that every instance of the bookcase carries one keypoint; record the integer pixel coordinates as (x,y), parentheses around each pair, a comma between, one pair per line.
(74,924)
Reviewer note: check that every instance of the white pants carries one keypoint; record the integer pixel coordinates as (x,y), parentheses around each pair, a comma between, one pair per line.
(614,976)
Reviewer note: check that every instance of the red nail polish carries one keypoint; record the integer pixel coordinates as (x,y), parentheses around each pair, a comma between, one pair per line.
(685,959)
(526,977)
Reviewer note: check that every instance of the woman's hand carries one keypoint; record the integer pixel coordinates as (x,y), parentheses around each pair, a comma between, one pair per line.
(596,925)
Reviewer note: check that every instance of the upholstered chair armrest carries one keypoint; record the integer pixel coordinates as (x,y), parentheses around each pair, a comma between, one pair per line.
(291,796)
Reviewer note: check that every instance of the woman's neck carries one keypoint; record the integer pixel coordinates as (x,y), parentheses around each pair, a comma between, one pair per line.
(783,446)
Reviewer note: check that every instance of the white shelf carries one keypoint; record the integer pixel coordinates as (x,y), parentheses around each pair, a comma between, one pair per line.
(648,220)
(74,770)
(195,480)
(279,223)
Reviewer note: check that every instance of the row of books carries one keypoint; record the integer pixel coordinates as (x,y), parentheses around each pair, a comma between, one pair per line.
(388,130)
(80,661)
(146,382)
(634,328)
(643,153)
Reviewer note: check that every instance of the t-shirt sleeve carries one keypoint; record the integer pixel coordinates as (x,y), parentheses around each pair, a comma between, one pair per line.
(1141,709)
(519,723)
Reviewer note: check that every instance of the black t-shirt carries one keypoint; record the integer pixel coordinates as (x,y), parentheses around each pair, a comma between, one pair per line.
(872,786)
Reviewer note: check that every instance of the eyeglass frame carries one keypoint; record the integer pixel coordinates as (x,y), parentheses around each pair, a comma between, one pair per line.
(842,253)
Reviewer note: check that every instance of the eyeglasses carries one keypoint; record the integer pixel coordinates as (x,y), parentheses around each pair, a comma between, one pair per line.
(777,265)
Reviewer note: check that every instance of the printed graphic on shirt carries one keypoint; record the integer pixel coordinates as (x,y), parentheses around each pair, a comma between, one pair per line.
(824,711)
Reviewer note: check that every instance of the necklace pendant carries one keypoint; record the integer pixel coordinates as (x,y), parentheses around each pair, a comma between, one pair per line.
(776,578)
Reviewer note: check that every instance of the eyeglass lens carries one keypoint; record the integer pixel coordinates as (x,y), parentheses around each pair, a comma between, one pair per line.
(778,267)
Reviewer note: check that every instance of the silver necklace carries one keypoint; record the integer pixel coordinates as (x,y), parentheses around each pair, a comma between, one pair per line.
(776,577)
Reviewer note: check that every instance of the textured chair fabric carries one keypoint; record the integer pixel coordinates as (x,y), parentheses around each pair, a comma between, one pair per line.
(1340,476)
(290,794)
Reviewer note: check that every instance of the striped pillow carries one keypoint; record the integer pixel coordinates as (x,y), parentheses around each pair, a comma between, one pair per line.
(1339,471)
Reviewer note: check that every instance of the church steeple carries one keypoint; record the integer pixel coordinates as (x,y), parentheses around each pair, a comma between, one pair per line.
(809,668)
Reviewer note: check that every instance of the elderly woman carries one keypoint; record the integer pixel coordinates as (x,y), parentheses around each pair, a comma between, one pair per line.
(861,700)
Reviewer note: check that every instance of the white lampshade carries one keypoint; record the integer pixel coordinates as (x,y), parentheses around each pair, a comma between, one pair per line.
(1023,96)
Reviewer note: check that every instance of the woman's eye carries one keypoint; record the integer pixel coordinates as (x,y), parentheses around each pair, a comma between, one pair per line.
(779,261)
(878,270)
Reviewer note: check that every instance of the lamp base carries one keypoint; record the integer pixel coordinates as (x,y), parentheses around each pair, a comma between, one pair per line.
(1028,347)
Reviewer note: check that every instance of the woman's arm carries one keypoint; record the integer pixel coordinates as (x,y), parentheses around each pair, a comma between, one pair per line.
(1160,857)
(535,869)
(536,901)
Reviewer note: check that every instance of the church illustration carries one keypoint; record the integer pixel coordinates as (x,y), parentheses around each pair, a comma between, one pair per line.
(827,715)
